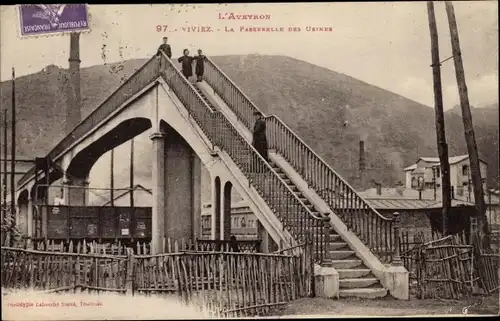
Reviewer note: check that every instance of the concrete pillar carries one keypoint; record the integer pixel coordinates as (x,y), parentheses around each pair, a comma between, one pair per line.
(179,188)
(263,235)
(216,198)
(226,211)
(30,218)
(327,283)
(196,196)
(158,209)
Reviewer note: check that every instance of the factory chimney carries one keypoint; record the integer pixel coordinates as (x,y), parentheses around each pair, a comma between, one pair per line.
(362,163)
(74,105)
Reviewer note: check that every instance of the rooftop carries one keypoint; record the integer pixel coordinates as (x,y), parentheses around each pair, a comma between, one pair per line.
(408,198)
(435,160)
(410,204)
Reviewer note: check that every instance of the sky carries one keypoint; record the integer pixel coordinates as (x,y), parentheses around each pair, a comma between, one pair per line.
(384,44)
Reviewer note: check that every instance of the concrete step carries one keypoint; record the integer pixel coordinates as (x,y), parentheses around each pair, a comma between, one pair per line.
(334,238)
(357,283)
(338,245)
(340,255)
(346,264)
(366,293)
(352,273)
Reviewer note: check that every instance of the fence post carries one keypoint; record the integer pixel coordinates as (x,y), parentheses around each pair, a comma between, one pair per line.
(326,231)
(396,259)
(129,281)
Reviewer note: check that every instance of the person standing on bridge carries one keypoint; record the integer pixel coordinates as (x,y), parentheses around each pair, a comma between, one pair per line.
(187,64)
(165,47)
(259,141)
(200,65)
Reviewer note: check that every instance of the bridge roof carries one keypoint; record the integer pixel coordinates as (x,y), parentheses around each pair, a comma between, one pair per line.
(144,76)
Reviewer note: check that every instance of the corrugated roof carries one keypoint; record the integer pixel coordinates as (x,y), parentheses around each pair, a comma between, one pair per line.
(411,204)
(454,203)
(399,204)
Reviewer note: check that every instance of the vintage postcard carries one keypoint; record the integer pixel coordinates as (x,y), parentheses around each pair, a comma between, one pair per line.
(168,161)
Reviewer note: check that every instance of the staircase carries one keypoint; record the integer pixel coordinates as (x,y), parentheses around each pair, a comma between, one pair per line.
(296,212)
(283,201)
(356,280)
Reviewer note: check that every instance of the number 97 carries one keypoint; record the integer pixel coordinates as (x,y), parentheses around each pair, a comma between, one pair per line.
(160,28)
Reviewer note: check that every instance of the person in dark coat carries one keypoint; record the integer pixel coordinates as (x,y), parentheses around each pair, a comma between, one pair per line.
(200,66)
(187,64)
(233,244)
(259,141)
(165,47)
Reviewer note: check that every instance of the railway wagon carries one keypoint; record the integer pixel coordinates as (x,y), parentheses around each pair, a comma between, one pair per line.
(103,223)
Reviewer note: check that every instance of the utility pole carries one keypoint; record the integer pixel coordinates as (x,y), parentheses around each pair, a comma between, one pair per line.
(112,178)
(13,153)
(467,120)
(5,156)
(132,172)
(438,108)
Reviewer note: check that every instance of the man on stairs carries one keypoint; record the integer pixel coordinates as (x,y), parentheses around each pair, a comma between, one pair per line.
(259,141)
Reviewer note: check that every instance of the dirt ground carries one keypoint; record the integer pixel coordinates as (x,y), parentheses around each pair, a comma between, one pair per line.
(390,307)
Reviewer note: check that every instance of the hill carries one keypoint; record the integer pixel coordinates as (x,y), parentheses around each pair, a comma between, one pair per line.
(313,101)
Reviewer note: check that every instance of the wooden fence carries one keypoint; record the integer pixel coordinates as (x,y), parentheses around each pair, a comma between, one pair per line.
(448,267)
(227,283)
(488,264)
(143,248)
(55,271)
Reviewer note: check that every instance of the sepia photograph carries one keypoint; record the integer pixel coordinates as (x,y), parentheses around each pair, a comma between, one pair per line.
(249,160)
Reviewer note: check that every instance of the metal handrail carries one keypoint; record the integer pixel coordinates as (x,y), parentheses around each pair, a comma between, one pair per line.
(292,132)
(249,145)
(373,228)
(216,118)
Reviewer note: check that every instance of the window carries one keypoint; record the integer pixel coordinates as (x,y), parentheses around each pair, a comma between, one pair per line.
(465,170)
(413,182)
(464,184)
(438,171)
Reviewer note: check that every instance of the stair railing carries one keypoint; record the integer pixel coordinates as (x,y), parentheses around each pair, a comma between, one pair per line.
(374,229)
(296,217)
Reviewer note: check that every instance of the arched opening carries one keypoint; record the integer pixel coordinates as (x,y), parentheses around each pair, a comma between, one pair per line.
(217,211)
(227,210)
(22,215)
(78,190)
(82,163)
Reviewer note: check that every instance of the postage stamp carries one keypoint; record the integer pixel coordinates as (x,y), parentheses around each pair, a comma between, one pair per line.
(43,19)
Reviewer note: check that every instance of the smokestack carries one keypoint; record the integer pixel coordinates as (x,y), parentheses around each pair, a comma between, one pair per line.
(74,106)
(400,188)
(361,162)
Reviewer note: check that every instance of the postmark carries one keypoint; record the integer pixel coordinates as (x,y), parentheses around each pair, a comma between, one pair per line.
(52,19)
